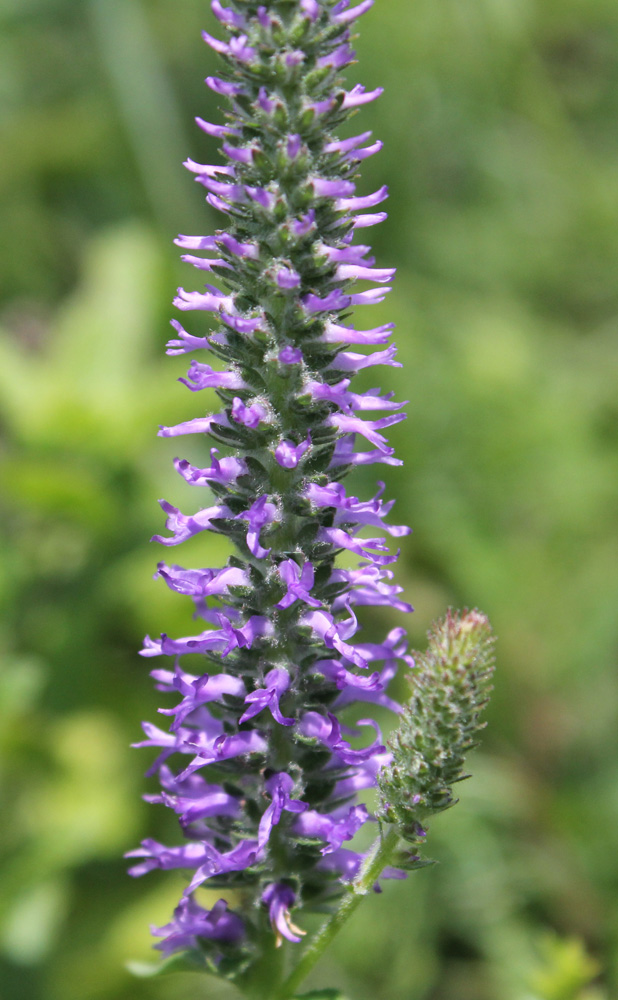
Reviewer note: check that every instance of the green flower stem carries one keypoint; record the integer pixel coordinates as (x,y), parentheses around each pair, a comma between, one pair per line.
(264,976)
(379,857)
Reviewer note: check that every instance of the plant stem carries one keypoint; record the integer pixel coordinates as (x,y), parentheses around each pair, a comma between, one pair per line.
(262,980)
(376,861)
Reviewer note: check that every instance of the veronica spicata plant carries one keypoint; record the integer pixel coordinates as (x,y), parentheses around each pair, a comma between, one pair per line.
(257,763)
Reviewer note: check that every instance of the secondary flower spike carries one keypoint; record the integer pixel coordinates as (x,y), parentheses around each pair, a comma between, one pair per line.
(450,687)
(257,762)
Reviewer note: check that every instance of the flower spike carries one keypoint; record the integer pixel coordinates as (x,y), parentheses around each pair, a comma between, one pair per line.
(257,764)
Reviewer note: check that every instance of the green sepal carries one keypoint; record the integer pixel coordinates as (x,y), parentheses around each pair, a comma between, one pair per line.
(410,862)
(299,31)
(306,119)
(314,78)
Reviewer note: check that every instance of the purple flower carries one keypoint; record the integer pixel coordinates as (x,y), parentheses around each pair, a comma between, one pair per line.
(264,103)
(234,247)
(290,355)
(362,776)
(159,856)
(213,751)
(324,188)
(211,301)
(250,416)
(366,201)
(351,510)
(171,743)
(192,923)
(298,583)
(199,425)
(344,454)
(367,548)
(294,146)
(226,15)
(355,687)
(304,225)
(198,691)
(202,376)
(335,300)
(371,219)
(358,95)
(237,48)
(279,787)
(186,342)
(224,87)
(332,828)
(343,15)
(280,899)
(342,56)
(205,263)
(262,196)
(260,514)
(201,582)
(366,587)
(223,471)
(348,401)
(277,682)
(287,278)
(343,863)
(184,526)
(240,857)
(241,324)
(224,639)
(289,454)
(348,361)
(327,730)
(393,646)
(311,8)
(373,690)
(217,131)
(333,634)
(194,799)
(346,864)
(347,145)
(336,334)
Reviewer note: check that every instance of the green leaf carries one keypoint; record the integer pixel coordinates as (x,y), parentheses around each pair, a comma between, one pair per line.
(320,995)
(187,962)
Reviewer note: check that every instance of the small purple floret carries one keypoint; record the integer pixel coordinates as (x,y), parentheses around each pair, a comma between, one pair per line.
(192,922)
(289,455)
(280,899)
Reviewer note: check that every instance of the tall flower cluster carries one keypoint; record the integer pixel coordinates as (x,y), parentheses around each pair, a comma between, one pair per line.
(257,763)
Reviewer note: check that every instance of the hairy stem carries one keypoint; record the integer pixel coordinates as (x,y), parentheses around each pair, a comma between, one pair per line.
(376,861)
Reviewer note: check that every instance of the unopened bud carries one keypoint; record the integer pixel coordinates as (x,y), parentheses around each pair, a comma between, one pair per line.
(450,686)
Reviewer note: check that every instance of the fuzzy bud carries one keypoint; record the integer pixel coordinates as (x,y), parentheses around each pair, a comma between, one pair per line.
(450,687)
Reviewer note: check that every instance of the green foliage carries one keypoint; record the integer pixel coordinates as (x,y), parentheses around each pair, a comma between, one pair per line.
(500,150)
(183,962)
(321,995)
(564,970)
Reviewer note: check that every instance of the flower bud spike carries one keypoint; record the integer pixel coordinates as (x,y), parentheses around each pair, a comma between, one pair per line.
(450,686)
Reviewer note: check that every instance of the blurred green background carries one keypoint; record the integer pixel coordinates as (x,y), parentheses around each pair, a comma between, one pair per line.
(501,144)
